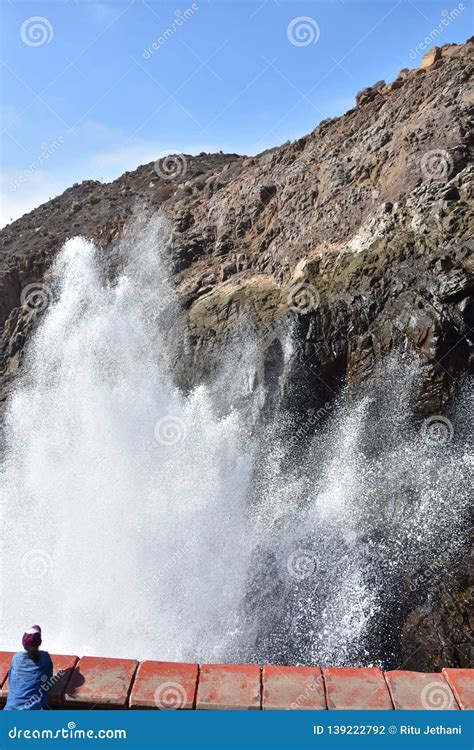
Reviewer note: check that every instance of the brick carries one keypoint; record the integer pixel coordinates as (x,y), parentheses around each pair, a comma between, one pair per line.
(462,684)
(164,685)
(292,688)
(100,682)
(63,667)
(223,686)
(356,688)
(419,691)
(5,659)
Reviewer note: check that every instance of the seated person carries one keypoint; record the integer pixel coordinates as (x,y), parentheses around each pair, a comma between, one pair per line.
(29,675)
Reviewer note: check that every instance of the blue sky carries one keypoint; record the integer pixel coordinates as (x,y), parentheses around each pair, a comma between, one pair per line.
(82,98)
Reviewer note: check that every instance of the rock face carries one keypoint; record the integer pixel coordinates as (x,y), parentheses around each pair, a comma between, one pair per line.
(360,234)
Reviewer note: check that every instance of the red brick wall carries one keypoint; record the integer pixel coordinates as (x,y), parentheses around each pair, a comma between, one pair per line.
(93,682)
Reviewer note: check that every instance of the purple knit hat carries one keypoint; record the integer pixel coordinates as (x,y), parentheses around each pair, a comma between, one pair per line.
(32,637)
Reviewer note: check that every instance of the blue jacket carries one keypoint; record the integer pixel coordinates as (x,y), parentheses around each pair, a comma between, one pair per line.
(29,682)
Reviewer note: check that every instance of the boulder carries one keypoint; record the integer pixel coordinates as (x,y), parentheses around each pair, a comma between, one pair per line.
(430,57)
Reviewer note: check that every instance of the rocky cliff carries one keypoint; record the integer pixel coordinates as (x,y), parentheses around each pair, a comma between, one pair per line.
(358,234)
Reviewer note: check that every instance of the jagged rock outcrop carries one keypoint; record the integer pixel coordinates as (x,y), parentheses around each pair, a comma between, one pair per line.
(359,234)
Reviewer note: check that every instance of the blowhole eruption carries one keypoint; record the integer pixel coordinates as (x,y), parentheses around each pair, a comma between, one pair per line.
(144,520)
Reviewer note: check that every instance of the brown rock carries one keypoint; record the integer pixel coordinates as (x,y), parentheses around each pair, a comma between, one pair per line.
(395,85)
(404,73)
(449,50)
(430,57)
